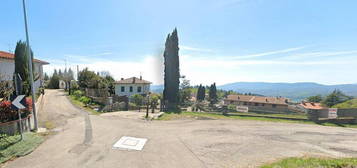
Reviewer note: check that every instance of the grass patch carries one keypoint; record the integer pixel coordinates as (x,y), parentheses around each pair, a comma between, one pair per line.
(247,116)
(347,104)
(82,105)
(11,146)
(49,125)
(313,162)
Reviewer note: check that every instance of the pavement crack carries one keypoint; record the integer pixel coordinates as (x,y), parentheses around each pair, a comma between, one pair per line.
(203,163)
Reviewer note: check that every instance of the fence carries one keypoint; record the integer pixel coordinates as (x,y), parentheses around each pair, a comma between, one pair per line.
(13,127)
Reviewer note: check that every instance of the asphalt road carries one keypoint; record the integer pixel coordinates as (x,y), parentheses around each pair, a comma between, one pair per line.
(84,140)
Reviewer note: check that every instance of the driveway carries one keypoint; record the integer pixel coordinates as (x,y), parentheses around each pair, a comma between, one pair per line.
(87,140)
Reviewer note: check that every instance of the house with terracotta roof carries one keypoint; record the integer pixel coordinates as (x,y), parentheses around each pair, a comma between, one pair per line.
(132,86)
(312,107)
(259,103)
(7,68)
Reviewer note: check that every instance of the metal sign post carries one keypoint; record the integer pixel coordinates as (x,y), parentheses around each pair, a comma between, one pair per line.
(18,102)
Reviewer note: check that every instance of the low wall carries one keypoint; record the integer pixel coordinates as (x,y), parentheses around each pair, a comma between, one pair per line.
(13,127)
(343,116)
(268,109)
(347,113)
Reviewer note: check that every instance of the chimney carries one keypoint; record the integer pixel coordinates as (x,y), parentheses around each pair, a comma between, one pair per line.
(141,78)
(122,79)
(266,100)
(134,79)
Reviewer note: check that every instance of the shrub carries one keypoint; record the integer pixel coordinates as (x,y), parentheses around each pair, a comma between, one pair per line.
(132,106)
(7,114)
(78,94)
(29,104)
(232,107)
(85,100)
(137,99)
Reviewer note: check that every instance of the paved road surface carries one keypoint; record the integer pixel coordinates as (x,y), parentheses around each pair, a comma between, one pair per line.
(86,141)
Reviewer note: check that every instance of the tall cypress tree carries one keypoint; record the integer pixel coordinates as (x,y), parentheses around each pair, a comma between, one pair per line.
(213,93)
(172,71)
(199,93)
(21,65)
(21,60)
(203,93)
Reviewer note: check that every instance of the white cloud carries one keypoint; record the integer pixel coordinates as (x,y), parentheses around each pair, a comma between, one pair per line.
(317,54)
(269,53)
(187,48)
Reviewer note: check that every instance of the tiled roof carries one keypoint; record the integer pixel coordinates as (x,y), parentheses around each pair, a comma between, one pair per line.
(133,80)
(258,99)
(7,55)
(310,105)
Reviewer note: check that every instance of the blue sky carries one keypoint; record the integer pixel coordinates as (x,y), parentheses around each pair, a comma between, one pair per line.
(221,41)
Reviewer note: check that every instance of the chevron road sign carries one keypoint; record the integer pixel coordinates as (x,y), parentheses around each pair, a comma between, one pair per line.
(18,102)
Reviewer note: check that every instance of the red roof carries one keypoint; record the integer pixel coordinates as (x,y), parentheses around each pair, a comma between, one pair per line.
(7,55)
(310,105)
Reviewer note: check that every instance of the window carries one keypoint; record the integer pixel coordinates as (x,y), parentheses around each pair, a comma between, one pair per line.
(131,89)
(245,103)
(256,104)
(274,105)
(139,89)
(122,89)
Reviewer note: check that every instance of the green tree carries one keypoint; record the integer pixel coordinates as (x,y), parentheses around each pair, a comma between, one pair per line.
(54,81)
(335,97)
(154,101)
(185,92)
(22,66)
(109,80)
(171,71)
(315,99)
(60,74)
(137,99)
(213,94)
(46,77)
(89,79)
(201,93)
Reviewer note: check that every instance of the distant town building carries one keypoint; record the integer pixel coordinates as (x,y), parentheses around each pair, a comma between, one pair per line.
(7,68)
(258,103)
(131,86)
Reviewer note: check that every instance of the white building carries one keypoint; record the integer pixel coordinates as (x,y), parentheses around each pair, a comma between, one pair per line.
(131,86)
(7,68)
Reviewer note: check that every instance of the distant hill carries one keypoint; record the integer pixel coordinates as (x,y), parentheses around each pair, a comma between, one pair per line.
(294,91)
(157,88)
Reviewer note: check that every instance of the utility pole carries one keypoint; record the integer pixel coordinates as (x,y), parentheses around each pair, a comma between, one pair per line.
(30,68)
(77,72)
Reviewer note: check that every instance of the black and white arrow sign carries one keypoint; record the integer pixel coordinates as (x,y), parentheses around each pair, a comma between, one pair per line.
(18,102)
